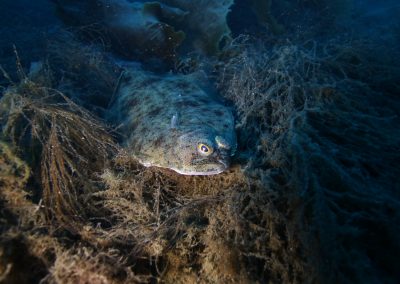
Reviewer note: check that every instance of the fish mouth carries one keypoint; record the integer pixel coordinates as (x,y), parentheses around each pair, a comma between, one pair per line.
(218,168)
(195,173)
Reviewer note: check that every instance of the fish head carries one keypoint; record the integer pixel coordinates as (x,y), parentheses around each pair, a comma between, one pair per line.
(203,152)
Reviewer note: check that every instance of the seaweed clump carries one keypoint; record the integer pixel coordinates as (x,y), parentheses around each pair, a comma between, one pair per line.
(318,125)
(71,143)
(303,203)
(88,77)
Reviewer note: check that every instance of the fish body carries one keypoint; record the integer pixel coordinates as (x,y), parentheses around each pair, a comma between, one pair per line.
(171,122)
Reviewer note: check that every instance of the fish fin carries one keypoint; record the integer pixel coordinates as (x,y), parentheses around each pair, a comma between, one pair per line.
(174,121)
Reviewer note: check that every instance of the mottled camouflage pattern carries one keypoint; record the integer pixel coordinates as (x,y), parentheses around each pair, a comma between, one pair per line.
(164,118)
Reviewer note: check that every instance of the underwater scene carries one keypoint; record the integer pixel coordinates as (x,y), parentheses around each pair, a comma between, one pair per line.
(208,141)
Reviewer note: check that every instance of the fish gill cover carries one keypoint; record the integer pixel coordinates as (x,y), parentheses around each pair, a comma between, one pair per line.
(312,195)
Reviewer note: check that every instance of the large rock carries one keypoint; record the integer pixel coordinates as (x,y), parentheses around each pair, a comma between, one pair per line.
(133,28)
(152,28)
(206,23)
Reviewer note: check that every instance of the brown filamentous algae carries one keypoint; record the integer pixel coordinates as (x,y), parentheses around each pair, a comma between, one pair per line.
(171,122)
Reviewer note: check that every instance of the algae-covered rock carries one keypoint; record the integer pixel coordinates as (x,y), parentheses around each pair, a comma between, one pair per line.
(134,28)
(206,26)
(152,28)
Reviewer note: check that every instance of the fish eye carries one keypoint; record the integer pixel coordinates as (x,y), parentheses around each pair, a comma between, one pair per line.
(204,149)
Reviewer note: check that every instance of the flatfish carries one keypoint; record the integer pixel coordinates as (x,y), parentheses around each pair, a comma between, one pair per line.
(170,121)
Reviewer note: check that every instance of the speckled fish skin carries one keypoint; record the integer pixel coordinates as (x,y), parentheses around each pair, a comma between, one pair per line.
(167,119)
